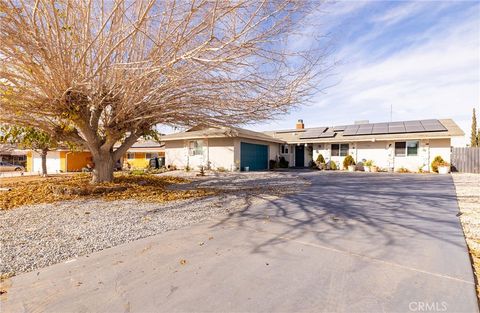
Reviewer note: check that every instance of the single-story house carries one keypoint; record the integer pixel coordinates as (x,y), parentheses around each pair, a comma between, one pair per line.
(392,145)
(10,154)
(65,160)
(227,148)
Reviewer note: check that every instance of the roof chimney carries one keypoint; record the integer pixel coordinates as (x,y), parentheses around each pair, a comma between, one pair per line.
(299,125)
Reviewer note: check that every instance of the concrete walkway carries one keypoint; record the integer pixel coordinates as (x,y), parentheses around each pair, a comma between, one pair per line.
(351,242)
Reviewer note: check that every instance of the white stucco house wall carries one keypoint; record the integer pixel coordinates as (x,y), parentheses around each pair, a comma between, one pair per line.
(408,144)
(220,148)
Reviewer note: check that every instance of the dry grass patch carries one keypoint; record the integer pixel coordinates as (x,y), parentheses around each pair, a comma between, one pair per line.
(468,195)
(143,187)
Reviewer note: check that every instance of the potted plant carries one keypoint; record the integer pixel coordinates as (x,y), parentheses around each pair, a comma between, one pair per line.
(444,168)
(349,163)
(367,166)
(438,162)
(321,162)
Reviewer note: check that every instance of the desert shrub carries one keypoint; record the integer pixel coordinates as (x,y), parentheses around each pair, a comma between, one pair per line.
(221,169)
(282,163)
(272,164)
(333,166)
(437,161)
(368,163)
(403,170)
(320,159)
(348,161)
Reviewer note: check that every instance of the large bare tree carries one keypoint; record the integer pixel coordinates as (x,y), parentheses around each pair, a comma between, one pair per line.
(96,72)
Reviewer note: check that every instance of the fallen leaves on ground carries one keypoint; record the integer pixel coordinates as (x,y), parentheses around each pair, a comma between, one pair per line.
(147,188)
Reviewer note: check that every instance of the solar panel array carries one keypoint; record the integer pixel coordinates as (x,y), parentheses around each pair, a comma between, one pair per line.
(393,128)
(320,132)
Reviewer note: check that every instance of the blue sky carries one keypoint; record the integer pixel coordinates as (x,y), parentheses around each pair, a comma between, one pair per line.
(422,58)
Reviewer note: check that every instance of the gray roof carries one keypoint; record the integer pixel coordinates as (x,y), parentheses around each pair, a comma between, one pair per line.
(220,132)
(404,130)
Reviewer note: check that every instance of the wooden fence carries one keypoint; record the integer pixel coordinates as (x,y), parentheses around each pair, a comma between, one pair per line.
(466,160)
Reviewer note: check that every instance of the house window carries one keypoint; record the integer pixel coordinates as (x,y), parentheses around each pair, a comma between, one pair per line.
(412,148)
(131,155)
(284,149)
(406,148)
(195,147)
(151,155)
(340,149)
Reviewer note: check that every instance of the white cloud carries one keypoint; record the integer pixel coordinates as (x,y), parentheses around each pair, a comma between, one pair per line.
(437,76)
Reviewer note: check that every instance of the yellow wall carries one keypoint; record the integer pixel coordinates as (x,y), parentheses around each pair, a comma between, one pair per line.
(75,161)
(139,162)
(29,161)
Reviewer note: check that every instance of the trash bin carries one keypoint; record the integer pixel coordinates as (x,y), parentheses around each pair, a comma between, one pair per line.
(153,163)
(161,162)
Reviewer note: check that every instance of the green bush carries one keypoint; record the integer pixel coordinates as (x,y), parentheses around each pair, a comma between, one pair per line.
(437,161)
(348,161)
(333,166)
(282,163)
(320,159)
(272,164)
(368,163)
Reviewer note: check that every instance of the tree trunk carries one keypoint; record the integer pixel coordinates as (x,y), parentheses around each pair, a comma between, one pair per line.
(43,154)
(103,170)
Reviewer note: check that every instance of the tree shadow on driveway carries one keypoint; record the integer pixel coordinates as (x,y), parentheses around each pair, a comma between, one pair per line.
(379,215)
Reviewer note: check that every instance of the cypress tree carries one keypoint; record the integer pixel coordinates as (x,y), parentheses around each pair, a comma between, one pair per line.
(474,135)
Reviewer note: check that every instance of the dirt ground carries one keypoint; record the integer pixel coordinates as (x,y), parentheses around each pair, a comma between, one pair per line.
(468,196)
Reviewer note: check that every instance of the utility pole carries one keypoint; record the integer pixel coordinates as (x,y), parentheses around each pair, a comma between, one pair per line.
(391,112)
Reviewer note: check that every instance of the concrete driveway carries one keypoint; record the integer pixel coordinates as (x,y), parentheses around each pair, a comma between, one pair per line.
(350,242)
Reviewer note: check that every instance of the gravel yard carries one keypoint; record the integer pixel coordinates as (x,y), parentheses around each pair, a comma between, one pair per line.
(36,236)
(468,195)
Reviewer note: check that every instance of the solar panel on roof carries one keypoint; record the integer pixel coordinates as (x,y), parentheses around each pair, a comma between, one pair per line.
(364,131)
(313,133)
(339,128)
(412,123)
(414,128)
(434,128)
(395,124)
(380,130)
(350,130)
(429,122)
(396,129)
(327,135)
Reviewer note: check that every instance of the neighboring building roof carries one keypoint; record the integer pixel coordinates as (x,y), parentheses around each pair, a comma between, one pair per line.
(445,128)
(220,132)
(6,149)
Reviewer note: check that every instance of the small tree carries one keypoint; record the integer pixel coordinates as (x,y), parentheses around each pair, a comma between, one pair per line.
(474,136)
(29,138)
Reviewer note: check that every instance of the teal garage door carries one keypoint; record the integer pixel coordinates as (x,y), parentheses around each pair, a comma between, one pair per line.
(255,157)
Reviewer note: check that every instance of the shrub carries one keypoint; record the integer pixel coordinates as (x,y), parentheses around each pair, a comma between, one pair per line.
(282,163)
(312,165)
(403,170)
(348,161)
(221,169)
(137,172)
(437,161)
(320,159)
(272,164)
(333,166)
(368,163)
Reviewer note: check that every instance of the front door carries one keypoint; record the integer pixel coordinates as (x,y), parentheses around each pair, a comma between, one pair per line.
(299,156)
